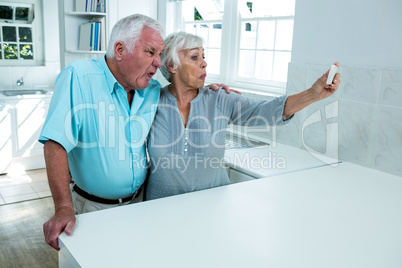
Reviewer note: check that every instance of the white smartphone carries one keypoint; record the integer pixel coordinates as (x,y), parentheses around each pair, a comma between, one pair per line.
(331,74)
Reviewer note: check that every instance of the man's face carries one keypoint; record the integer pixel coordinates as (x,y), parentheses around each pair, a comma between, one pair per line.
(138,67)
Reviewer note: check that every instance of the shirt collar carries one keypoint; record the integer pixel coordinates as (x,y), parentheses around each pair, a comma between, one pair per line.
(111,80)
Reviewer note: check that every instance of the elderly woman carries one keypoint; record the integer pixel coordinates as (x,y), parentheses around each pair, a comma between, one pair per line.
(186,143)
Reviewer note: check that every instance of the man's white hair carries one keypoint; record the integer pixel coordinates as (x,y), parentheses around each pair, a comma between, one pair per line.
(129,29)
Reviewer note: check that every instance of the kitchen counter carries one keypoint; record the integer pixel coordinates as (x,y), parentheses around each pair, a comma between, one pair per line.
(344,216)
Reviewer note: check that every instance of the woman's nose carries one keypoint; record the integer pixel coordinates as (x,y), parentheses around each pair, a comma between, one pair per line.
(204,64)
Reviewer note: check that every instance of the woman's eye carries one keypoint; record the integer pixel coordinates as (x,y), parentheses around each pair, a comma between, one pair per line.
(194,57)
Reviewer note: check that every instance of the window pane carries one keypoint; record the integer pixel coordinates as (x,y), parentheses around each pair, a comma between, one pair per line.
(26,52)
(21,13)
(213,58)
(191,28)
(266,34)
(203,9)
(246,63)
(25,34)
(203,30)
(284,35)
(281,62)
(9,33)
(10,52)
(210,9)
(266,8)
(263,65)
(6,12)
(248,34)
(1,51)
(215,35)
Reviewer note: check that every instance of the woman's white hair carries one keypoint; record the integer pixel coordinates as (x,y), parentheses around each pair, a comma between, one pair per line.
(174,43)
(129,29)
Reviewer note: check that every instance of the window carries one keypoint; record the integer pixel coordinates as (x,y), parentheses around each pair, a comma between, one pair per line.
(17,34)
(248,43)
(205,20)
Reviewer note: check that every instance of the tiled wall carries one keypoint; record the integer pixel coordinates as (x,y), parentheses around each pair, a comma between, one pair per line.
(34,77)
(361,123)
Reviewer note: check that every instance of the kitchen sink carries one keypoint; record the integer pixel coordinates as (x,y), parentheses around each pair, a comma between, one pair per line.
(236,142)
(22,92)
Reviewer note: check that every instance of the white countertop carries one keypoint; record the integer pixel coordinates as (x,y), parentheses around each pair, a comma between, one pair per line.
(344,216)
(273,160)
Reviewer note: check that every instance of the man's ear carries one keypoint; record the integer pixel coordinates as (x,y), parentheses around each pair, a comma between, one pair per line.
(120,50)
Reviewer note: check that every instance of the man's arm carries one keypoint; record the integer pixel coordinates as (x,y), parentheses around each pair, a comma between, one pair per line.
(318,91)
(59,181)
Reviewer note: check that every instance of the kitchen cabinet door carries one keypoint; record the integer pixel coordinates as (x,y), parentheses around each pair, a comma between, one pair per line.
(30,114)
(236,176)
(6,142)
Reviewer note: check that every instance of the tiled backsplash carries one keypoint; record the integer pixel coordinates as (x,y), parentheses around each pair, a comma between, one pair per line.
(34,77)
(361,123)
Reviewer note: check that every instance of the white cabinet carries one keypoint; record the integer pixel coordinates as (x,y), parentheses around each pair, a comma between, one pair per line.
(236,176)
(6,149)
(21,122)
(70,21)
(30,114)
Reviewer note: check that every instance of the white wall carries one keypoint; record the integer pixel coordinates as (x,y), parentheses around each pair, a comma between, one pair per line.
(354,32)
(122,8)
(362,121)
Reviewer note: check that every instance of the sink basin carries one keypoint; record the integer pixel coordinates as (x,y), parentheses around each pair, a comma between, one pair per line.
(21,92)
(236,142)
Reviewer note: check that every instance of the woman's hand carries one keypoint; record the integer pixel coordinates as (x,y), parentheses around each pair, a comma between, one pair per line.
(217,86)
(321,90)
(318,91)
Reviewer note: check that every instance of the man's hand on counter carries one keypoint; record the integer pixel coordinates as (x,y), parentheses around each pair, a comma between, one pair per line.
(63,220)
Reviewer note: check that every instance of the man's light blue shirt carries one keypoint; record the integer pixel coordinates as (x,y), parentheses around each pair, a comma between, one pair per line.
(90,117)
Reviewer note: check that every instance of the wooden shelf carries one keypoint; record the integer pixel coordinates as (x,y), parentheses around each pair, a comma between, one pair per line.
(69,23)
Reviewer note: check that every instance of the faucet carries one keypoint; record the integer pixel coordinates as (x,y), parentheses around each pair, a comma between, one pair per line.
(20,82)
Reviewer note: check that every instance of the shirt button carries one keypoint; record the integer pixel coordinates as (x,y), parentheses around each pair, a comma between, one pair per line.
(185,150)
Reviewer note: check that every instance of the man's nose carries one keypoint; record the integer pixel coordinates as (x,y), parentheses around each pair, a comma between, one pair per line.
(157,62)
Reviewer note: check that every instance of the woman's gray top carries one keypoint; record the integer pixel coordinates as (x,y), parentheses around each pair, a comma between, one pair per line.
(185,159)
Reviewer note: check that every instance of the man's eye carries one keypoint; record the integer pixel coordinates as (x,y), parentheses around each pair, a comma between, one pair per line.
(150,52)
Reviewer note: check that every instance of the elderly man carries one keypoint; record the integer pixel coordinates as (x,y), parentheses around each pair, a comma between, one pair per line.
(98,119)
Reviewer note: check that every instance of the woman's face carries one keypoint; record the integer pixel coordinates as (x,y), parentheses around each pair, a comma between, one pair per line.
(192,71)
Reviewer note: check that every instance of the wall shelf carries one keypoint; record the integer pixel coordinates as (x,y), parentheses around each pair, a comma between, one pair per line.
(70,22)
(84,52)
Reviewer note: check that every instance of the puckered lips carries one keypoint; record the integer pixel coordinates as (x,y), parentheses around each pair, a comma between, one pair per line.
(202,77)
(150,74)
